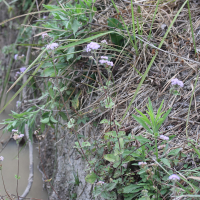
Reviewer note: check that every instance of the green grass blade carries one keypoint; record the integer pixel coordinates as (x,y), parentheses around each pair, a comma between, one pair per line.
(152,60)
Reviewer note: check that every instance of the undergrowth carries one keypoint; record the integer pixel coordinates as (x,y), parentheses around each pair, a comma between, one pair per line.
(117,67)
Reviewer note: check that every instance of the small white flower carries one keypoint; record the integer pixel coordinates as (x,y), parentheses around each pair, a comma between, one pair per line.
(92,46)
(1,158)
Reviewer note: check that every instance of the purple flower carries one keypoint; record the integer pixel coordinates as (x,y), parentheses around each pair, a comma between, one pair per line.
(17,137)
(44,17)
(92,46)
(175,81)
(22,69)
(18,103)
(52,46)
(44,35)
(14,131)
(15,57)
(163,137)
(110,63)
(1,158)
(142,163)
(103,61)
(100,183)
(174,177)
(104,42)
(104,57)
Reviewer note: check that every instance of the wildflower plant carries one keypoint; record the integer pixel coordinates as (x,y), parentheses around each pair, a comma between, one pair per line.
(176,85)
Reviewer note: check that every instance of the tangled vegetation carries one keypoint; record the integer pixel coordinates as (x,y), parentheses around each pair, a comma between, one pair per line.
(131,70)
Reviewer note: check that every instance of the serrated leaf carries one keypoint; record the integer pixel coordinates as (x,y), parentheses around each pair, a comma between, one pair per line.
(165,161)
(91,178)
(110,157)
(174,152)
(75,26)
(131,188)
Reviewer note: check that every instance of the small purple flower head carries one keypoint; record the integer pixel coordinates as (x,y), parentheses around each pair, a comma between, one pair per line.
(21,135)
(104,42)
(103,61)
(110,63)
(104,57)
(1,158)
(14,131)
(175,81)
(15,57)
(163,137)
(52,46)
(142,163)
(92,46)
(44,35)
(174,177)
(22,69)
(44,17)
(100,183)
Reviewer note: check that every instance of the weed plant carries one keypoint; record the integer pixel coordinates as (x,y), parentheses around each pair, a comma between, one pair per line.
(78,62)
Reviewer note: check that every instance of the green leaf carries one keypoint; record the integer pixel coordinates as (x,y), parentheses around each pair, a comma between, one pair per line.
(121,142)
(174,152)
(165,161)
(144,117)
(131,188)
(104,121)
(53,120)
(63,115)
(75,26)
(140,120)
(45,120)
(70,53)
(91,178)
(110,157)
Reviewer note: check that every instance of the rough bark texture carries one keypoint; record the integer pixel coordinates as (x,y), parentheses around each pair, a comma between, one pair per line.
(61,162)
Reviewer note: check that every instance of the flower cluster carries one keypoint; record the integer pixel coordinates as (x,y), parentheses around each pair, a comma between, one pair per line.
(44,35)
(174,177)
(1,158)
(163,137)
(52,46)
(100,183)
(17,137)
(142,163)
(177,82)
(22,69)
(104,42)
(105,61)
(92,46)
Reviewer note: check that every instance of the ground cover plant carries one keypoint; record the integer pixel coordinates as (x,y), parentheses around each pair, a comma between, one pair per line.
(132,71)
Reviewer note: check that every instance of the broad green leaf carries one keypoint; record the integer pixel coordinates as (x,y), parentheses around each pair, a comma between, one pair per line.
(53,120)
(165,161)
(131,188)
(45,120)
(75,26)
(70,53)
(110,157)
(121,141)
(174,152)
(85,144)
(91,178)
